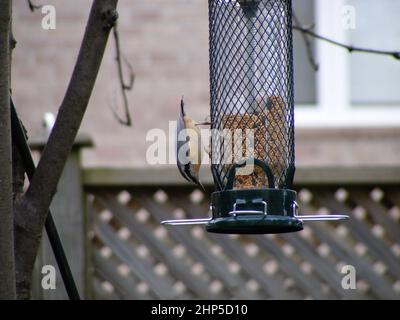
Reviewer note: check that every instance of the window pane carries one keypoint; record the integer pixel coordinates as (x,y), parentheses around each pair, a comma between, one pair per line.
(375,79)
(304,75)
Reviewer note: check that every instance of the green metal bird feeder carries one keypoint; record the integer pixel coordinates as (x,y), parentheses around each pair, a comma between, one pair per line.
(251,88)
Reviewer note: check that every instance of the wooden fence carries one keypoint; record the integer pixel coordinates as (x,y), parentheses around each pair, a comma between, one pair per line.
(134,257)
(109,221)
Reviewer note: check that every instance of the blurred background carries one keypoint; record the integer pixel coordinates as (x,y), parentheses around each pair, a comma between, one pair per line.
(166,41)
(110,201)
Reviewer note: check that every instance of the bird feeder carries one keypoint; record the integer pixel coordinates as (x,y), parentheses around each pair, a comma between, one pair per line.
(252,119)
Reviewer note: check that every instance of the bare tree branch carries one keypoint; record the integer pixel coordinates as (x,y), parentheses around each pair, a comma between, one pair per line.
(31,209)
(307,42)
(7,262)
(124,86)
(350,48)
(33,6)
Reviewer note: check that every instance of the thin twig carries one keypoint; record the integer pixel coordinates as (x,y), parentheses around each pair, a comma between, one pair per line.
(33,6)
(350,48)
(307,43)
(125,86)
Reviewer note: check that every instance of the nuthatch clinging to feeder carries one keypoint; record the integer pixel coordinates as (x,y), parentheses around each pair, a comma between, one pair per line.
(188,147)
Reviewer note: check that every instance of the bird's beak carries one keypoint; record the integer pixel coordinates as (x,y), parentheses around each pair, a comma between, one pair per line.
(203,124)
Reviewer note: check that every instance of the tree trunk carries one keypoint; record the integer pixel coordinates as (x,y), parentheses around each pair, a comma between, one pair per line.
(7,266)
(31,209)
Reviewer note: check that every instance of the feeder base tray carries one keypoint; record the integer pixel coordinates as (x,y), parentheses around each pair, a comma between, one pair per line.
(255,211)
(253,224)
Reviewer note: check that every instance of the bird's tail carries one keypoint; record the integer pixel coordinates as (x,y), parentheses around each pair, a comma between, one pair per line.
(182,108)
(201,185)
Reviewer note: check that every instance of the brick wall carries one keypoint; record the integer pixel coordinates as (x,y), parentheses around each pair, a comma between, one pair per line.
(166,42)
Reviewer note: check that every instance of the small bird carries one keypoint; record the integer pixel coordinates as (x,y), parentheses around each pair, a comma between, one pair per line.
(188,159)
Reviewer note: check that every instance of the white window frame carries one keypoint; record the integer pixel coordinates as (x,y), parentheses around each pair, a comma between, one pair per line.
(334,107)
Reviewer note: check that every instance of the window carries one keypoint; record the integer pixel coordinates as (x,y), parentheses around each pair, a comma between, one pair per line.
(349,89)
(375,79)
(304,75)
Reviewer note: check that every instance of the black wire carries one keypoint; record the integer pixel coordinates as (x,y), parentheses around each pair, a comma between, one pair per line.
(18,135)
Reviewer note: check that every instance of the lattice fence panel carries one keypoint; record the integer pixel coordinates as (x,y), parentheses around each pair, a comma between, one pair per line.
(134,257)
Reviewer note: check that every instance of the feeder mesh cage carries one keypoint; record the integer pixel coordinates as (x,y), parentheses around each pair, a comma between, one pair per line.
(251,86)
